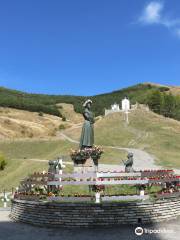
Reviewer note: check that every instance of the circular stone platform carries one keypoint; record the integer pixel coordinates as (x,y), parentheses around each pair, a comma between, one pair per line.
(49,214)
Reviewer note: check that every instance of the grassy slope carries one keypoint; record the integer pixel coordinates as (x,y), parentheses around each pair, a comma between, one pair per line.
(68,111)
(38,149)
(157,135)
(19,123)
(19,154)
(152,132)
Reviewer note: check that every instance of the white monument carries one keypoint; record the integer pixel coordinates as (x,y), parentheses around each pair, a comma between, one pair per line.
(125,108)
(115,107)
(125,104)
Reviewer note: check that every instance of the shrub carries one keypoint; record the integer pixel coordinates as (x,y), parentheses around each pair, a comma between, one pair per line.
(3,162)
(41,114)
(63,118)
(61,127)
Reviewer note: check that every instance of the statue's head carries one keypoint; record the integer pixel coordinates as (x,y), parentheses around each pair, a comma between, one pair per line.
(51,162)
(87,103)
(130,154)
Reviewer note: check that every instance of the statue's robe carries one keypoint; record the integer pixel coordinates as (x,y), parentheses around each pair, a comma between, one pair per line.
(87,134)
(128,165)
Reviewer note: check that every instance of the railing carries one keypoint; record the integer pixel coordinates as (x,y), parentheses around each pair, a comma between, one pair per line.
(138,178)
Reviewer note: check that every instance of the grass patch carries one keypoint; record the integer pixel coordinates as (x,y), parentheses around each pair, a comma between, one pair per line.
(113,156)
(19,154)
(39,149)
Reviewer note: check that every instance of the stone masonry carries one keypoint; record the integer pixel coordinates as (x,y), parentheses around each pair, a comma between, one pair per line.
(49,214)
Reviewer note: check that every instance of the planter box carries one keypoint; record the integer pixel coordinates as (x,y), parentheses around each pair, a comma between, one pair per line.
(70,199)
(124,198)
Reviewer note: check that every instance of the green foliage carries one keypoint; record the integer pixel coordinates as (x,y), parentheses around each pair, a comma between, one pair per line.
(155,101)
(169,105)
(30,102)
(3,162)
(61,127)
(138,93)
(163,89)
(142,93)
(41,114)
(165,104)
(63,118)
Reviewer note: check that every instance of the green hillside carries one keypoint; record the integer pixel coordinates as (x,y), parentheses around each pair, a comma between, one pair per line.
(47,103)
(26,156)
(151,132)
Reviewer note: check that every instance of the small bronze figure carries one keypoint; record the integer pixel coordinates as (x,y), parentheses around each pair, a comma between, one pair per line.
(129,163)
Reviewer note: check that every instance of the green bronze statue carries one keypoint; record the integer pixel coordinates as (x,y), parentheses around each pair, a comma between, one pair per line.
(87,134)
(129,163)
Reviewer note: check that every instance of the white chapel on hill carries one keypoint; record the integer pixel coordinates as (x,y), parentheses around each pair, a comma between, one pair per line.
(125,107)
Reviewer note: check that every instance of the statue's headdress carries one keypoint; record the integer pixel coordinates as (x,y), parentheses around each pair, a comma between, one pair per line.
(86,102)
(130,154)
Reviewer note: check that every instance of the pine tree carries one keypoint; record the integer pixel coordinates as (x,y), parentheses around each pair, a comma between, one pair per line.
(169,104)
(155,101)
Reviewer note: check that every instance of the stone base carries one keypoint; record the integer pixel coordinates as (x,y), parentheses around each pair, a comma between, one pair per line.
(86,167)
(60,214)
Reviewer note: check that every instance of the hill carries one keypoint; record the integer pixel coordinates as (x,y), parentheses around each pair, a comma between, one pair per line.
(175,90)
(67,110)
(151,132)
(48,103)
(25,156)
(155,134)
(16,123)
(22,124)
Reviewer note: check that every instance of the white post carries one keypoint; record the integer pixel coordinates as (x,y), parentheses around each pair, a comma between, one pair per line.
(60,172)
(142,192)
(98,197)
(61,169)
(5,199)
(127,117)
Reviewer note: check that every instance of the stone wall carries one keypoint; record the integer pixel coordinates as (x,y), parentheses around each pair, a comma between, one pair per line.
(91,214)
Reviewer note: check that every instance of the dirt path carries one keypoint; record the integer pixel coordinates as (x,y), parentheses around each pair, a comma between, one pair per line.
(67,138)
(142,159)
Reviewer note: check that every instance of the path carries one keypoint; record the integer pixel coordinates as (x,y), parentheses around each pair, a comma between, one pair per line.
(68,138)
(142,159)
(18,231)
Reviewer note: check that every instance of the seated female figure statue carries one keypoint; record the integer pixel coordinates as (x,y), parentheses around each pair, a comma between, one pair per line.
(87,134)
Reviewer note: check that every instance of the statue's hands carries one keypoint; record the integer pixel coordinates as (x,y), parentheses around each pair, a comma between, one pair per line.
(86,116)
(92,121)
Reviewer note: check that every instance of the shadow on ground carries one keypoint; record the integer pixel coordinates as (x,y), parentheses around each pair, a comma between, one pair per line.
(10,230)
(18,231)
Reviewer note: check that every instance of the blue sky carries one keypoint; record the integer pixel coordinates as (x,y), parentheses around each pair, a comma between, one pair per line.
(88,47)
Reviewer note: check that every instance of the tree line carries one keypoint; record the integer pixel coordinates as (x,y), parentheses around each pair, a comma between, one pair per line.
(165,104)
(155,96)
